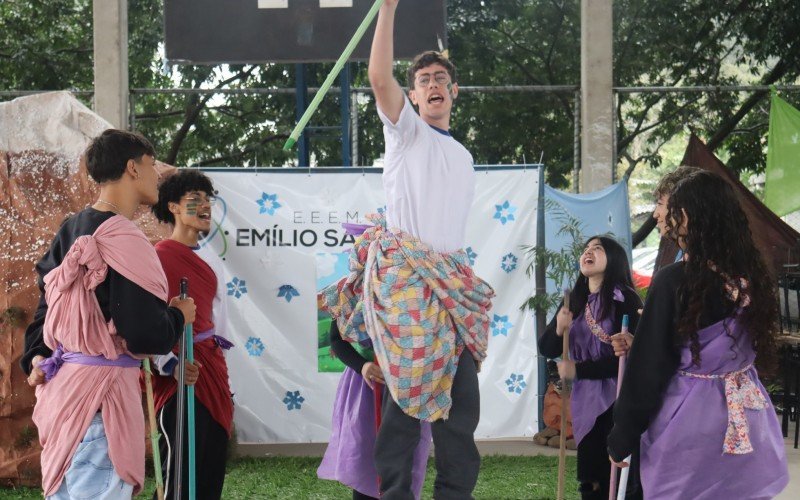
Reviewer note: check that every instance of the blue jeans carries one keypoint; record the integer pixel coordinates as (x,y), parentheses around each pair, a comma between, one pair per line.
(91,474)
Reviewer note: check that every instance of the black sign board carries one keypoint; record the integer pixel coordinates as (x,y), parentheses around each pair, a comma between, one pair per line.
(255,31)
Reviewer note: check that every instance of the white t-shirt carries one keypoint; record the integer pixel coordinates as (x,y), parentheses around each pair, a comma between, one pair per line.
(429,181)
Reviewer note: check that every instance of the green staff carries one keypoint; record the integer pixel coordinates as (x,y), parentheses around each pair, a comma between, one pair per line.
(351,46)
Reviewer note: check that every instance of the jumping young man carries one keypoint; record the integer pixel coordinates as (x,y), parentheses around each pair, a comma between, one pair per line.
(421,305)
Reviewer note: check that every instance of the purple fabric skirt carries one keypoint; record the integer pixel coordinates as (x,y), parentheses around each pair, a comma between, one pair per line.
(682,451)
(349,457)
(590,398)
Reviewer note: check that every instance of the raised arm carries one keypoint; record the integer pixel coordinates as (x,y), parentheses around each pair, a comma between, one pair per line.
(388,93)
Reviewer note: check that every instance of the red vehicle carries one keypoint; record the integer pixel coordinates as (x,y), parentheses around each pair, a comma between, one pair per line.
(644,262)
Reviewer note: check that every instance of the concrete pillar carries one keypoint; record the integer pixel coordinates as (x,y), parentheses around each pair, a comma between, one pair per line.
(597,135)
(111,60)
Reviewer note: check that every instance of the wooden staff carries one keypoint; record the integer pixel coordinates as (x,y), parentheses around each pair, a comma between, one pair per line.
(151,414)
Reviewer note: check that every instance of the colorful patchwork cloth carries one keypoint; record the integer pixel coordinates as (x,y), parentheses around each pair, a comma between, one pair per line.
(741,394)
(419,307)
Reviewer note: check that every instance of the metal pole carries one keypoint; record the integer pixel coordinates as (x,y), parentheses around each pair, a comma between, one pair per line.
(354,130)
(301,93)
(180,404)
(704,88)
(576,144)
(344,104)
(480,89)
(614,160)
(541,290)
(132,111)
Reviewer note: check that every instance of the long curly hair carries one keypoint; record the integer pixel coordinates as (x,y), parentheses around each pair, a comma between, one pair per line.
(617,274)
(717,234)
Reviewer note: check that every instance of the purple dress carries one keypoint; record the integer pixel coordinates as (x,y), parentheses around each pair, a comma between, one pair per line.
(349,457)
(590,398)
(704,445)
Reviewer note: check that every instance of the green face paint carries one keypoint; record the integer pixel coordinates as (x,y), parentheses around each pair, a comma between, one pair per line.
(191,208)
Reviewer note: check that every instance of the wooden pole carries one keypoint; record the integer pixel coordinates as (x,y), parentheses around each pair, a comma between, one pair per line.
(151,414)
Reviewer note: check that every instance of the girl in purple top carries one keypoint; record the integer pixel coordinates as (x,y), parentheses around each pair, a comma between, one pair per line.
(349,456)
(691,397)
(603,294)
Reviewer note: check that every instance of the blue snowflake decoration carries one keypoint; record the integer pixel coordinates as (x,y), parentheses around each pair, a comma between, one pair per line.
(509,262)
(471,255)
(505,212)
(293,400)
(254,346)
(516,383)
(237,287)
(268,203)
(288,292)
(500,325)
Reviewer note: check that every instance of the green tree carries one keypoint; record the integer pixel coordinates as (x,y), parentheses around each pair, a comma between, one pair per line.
(48,45)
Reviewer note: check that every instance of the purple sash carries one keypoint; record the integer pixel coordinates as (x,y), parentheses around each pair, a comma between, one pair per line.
(591,398)
(51,365)
(355,229)
(221,341)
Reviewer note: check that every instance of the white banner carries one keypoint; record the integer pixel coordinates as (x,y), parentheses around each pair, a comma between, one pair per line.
(280,236)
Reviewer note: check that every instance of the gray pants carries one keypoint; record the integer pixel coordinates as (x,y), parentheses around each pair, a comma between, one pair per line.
(457,458)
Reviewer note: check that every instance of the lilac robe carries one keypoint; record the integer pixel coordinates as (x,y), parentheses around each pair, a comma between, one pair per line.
(682,449)
(349,457)
(591,398)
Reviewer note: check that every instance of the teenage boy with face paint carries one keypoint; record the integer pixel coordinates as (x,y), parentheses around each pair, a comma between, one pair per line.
(185,200)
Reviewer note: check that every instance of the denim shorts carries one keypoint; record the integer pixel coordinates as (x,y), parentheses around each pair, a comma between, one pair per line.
(91,474)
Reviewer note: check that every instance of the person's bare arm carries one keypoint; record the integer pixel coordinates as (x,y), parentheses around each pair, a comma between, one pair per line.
(388,93)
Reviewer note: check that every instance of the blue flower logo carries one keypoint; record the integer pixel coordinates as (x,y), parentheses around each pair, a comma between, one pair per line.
(268,203)
(509,262)
(254,346)
(293,400)
(500,326)
(471,255)
(288,292)
(505,212)
(237,287)
(516,383)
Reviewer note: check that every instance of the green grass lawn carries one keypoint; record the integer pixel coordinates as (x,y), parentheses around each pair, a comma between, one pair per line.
(501,477)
